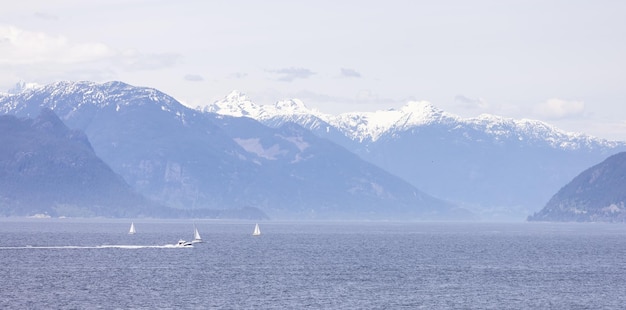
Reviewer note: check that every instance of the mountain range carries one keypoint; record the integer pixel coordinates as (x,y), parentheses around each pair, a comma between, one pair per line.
(197,161)
(500,168)
(288,161)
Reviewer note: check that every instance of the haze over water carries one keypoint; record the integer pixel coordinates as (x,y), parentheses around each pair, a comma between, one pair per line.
(95,264)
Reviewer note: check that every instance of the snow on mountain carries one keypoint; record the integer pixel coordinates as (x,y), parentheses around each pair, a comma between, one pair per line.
(235,104)
(527,130)
(363,126)
(100,95)
(371,126)
(238,104)
(292,106)
(67,98)
(22,86)
(356,125)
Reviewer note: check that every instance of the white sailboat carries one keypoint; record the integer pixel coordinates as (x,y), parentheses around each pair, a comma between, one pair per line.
(257,231)
(196,235)
(132,229)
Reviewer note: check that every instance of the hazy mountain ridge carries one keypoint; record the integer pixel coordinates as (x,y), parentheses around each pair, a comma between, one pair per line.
(327,178)
(597,194)
(197,161)
(47,168)
(494,165)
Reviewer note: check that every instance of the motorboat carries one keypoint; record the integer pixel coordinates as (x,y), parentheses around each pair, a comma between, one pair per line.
(183,243)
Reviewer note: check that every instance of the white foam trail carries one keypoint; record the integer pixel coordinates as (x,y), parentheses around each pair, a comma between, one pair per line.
(167,246)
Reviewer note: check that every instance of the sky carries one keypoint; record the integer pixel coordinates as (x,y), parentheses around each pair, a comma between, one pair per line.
(562,62)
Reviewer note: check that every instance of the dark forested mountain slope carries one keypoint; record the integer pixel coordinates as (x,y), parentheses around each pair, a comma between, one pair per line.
(598,194)
(47,168)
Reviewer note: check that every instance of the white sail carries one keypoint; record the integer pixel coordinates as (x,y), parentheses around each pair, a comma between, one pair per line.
(132,229)
(257,231)
(196,235)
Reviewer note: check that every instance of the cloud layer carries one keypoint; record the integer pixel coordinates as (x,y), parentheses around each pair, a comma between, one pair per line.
(291,74)
(559,108)
(21,47)
(345,72)
(44,57)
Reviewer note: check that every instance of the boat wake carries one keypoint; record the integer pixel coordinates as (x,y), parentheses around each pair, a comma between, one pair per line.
(166,246)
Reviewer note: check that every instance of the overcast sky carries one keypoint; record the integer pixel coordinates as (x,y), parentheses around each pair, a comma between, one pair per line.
(563,62)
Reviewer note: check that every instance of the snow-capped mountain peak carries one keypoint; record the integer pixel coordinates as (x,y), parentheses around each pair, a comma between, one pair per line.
(291,106)
(416,113)
(422,108)
(234,104)
(22,86)
(237,96)
(238,104)
(372,125)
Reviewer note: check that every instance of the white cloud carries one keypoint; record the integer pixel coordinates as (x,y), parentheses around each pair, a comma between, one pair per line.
(290,74)
(559,108)
(367,95)
(46,16)
(27,54)
(345,72)
(21,47)
(470,103)
(193,78)
(238,75)
(133,60)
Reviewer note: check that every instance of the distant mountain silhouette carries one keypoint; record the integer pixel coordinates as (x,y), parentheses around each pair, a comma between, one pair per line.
(596,195)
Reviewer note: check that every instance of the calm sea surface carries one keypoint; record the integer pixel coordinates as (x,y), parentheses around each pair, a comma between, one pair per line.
(95,264)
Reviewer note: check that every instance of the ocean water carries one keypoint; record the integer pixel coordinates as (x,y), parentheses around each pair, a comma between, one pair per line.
(95,264)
